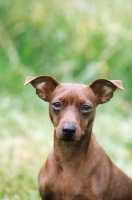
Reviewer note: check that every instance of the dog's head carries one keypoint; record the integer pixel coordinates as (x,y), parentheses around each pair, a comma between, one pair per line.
(72,106)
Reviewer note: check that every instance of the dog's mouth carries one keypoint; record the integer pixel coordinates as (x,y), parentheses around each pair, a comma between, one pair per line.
(67,139)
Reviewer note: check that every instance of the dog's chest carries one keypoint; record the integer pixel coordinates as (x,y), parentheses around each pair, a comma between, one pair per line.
(68,184)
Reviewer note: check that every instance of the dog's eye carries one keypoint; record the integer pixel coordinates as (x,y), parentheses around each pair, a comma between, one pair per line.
(57,106)
(86,109)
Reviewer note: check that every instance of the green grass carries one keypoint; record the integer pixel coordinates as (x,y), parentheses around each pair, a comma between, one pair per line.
(26,136)
(25,140)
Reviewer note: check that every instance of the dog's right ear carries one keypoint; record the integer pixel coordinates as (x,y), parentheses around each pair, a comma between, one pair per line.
(44,85)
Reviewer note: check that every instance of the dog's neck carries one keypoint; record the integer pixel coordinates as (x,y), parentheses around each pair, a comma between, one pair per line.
(67,151)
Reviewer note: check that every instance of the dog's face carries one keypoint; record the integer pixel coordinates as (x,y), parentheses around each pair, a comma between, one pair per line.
(72,106)
(72,110)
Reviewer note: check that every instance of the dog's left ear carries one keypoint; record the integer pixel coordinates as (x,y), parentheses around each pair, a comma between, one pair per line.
(104,89)
(44,85)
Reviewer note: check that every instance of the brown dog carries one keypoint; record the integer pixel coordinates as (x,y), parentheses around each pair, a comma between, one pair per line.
(77,167)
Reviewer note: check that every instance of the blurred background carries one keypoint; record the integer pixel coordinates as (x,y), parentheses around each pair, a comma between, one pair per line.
(74,41)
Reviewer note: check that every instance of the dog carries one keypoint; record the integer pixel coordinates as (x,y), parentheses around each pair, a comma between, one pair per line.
(77,168)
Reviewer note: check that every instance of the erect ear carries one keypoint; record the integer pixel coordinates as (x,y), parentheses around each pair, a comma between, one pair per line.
(104,89)
(44,85)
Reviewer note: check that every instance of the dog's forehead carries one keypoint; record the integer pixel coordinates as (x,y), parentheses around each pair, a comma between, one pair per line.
(73,91)
(72,88)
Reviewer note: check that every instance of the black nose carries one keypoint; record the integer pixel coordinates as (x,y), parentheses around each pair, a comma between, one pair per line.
(68,130)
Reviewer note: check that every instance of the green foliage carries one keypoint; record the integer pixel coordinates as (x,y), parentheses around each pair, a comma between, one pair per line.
(66,39)
(73,40)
